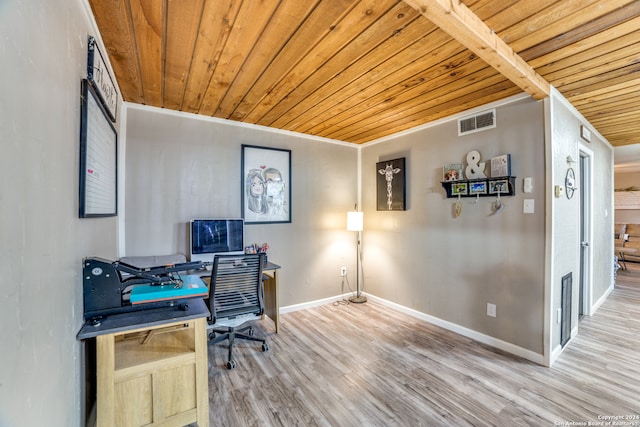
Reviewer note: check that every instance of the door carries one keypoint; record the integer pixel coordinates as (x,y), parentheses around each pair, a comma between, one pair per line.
(584,189)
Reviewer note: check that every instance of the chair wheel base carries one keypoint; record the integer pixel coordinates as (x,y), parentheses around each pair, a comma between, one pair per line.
(231,364)
(265,347)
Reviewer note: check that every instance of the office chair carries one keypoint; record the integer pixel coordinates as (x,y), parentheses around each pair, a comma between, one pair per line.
(236,296)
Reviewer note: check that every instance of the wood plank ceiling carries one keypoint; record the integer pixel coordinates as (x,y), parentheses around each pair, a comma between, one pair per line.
(358,70)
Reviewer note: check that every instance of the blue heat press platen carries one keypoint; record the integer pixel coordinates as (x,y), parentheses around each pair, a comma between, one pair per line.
(192,286)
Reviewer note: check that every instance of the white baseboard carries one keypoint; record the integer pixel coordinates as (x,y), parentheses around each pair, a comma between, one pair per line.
(311,304)
(461,330)
(557,351)
(601,300)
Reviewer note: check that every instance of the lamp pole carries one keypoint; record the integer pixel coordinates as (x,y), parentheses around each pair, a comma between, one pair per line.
(355,222)
(358,298)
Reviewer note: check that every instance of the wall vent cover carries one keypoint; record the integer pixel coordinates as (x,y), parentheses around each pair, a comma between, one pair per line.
(477,122)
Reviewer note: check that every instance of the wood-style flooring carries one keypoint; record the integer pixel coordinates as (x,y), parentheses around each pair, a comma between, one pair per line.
(368,365)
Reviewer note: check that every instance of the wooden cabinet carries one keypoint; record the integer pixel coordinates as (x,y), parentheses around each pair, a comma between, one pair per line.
(153,374)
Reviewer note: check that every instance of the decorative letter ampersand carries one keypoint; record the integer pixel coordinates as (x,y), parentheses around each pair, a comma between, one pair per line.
(474,170)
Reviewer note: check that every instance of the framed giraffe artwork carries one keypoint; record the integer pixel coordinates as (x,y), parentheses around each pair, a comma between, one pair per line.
(391,185)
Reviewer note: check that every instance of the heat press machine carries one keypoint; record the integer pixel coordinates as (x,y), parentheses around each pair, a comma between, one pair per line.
(113,287)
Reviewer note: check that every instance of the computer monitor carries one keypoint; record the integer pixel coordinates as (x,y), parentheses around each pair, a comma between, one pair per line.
(209,237)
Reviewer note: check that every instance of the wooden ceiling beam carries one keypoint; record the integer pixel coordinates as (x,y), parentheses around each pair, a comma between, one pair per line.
(453,17)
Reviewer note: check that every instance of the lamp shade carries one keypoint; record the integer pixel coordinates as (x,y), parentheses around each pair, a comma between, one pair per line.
(354,221)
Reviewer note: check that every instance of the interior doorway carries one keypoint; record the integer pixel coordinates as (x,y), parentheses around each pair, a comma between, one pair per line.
(584,189)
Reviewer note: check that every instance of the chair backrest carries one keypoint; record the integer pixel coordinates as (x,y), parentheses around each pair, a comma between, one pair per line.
(236,286)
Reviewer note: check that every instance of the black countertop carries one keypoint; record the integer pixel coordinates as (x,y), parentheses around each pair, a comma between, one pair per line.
(187,310)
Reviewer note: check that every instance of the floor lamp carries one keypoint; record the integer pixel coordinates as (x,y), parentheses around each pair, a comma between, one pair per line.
(354,223)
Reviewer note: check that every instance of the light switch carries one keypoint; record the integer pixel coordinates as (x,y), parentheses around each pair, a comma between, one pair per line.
(528,184)
(528,206)
(491,310)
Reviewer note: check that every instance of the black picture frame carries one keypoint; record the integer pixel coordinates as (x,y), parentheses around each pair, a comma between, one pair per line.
(391,186)
(100,77)
(460,188)
(499,186)
(98,157)
(266,185)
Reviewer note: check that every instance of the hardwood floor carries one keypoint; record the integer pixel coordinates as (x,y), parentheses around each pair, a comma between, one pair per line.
(367,365)
(629,278)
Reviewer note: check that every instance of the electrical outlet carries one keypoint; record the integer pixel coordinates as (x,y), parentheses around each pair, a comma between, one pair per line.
(491,310)
(343,271)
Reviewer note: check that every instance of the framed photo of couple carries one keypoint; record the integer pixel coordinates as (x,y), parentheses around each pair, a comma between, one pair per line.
(266,185)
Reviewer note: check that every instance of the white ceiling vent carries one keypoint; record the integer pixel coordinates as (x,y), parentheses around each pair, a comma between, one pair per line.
(477,122)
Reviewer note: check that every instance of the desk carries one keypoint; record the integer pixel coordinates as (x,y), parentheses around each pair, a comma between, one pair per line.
(271,301)
(152,367)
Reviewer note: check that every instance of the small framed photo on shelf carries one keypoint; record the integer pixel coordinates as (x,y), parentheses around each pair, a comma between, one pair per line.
(499,186)
(478,187)
(501,166)
(459,189)
(452,172)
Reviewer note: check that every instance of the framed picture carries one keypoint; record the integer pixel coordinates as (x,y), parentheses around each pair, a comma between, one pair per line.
(266,185)
(459,188)
(390,183)
(98,158)
(499,186)
(452,172)
(501,165)
(478,187)
(98,74)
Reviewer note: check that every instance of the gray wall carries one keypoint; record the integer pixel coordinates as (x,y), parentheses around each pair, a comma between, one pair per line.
(181,166)
(602,221)
(43,58)
(564,216)
(426,259)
